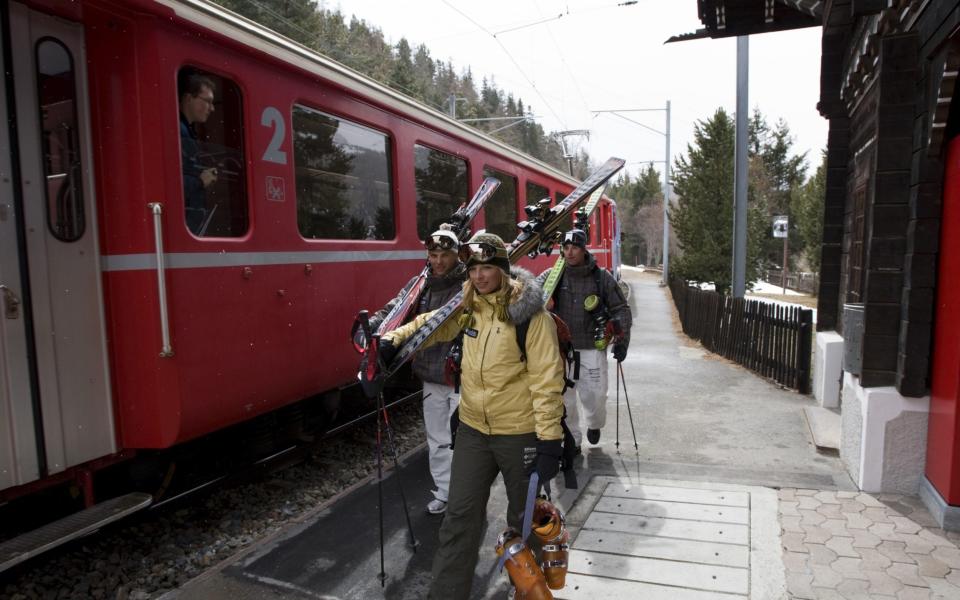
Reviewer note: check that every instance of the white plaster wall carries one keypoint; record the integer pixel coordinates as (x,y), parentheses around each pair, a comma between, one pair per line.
(905,449)
(883,437)
(851,426)
(828,368)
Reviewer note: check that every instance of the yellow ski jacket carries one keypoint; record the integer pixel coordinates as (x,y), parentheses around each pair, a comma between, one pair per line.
(501,394)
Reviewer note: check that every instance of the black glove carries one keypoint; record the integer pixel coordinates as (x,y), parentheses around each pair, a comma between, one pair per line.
(547,463)
(387,351)
(620,352)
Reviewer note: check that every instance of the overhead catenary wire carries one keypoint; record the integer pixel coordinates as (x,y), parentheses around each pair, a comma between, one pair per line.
(563,61)
(510,56)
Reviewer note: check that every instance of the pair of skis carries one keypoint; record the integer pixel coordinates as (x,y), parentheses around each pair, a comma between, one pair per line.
(582,222)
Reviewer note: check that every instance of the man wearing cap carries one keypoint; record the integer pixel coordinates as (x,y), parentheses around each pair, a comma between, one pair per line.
(447,275)
(510,407)
(582,278)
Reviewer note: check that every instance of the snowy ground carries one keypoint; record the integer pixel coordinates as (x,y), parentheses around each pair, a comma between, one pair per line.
(759,287)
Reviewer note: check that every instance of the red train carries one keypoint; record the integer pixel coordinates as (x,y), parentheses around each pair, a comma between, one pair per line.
(129,326)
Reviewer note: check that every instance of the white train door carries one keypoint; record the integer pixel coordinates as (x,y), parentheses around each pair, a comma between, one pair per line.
(55,388)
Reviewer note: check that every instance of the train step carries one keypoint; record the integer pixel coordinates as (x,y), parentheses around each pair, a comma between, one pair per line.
(50,536)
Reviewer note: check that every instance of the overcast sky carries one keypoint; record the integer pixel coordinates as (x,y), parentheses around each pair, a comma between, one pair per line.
(600,56)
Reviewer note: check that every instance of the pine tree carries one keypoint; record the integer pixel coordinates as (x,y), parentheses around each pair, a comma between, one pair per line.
(774,175)
(702,219)
(402,76)
(808,202)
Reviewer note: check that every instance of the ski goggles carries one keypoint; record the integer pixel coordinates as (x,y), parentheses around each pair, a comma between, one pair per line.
(441,242)
(575,237)
(481,252)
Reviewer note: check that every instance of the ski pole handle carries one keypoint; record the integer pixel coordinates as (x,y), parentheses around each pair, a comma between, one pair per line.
(360,332)
(363,319)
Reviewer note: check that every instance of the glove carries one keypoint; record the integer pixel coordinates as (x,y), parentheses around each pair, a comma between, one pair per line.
(619,352)
(387,351)
(547,463)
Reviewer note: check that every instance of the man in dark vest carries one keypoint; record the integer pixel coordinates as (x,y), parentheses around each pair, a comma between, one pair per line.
(581,279)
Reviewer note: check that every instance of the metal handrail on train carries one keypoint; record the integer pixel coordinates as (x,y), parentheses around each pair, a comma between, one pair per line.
(157,209)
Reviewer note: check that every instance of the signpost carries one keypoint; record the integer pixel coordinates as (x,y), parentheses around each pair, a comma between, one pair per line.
(781,229)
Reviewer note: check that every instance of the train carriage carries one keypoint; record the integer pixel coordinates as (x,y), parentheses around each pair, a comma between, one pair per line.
(129,326)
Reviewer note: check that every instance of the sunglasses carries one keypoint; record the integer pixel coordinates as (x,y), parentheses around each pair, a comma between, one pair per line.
(440,242)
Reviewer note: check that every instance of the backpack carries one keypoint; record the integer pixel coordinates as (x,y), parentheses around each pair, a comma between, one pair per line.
(570,356)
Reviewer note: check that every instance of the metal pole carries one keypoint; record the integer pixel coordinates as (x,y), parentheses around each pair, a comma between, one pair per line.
(666,204)
(452,105)
(783,272)
(570,165)
(738,279)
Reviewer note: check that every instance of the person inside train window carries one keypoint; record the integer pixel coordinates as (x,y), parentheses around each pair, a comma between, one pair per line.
(196,105)
(510,406)
(582,278)
(440,400)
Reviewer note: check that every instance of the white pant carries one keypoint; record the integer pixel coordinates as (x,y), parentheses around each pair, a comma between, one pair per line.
(591,388)
(439,402)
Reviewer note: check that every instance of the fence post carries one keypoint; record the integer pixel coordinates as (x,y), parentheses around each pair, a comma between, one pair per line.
(803,351)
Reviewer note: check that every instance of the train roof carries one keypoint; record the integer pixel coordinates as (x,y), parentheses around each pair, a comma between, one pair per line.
(236,27)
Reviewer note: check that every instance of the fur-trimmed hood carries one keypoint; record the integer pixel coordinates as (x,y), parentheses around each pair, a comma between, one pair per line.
(528,300)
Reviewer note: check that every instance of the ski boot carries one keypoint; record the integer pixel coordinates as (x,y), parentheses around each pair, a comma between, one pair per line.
(550,528)
(522,567)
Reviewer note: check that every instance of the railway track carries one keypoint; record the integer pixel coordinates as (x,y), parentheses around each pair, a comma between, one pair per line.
(187,532)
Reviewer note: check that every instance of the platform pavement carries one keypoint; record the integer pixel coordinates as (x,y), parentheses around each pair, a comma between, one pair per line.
(711,437)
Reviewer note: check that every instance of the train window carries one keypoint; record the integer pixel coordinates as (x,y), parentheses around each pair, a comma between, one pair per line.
(211,152)
(441,181)
(57,97)
(501,209)
(343,178)
(536,193)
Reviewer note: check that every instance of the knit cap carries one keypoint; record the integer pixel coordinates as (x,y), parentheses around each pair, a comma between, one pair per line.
(485,249)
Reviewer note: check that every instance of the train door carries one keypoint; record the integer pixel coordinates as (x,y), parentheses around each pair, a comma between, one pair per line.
(54,380)
(943,430)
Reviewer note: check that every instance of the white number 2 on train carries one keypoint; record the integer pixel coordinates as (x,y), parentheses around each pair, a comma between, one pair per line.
(272,117)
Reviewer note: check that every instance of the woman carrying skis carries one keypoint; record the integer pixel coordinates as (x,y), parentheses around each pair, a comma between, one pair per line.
(510,404)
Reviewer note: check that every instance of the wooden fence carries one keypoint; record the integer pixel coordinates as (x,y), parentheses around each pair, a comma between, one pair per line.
(807,283)
(770,339)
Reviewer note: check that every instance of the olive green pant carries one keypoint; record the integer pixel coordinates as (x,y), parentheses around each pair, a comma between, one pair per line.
(477,459)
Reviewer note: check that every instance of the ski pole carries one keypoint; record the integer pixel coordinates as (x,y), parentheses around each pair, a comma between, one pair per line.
(626,399)
(383,571)
(396,466)
(617,444)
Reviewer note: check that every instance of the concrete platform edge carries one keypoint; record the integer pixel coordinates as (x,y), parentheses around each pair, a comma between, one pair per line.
(286,531)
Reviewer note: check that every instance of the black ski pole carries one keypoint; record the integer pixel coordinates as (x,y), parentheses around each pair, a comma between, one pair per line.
(383,571)
(626,399)
(396,467)
(617,444)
